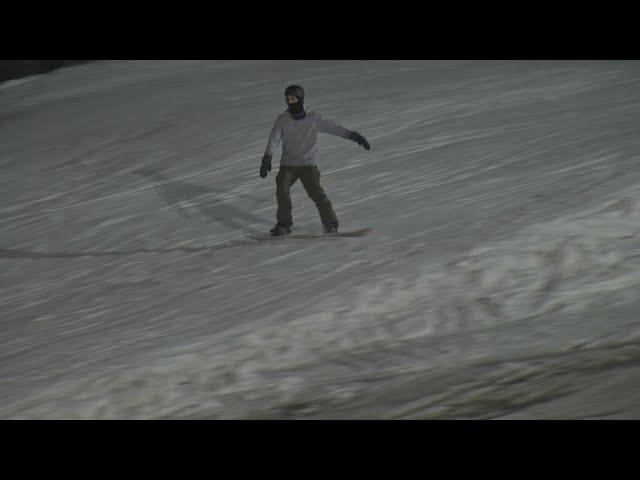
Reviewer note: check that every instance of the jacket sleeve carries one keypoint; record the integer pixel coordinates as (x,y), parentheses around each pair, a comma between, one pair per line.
(274,139)
(332,128)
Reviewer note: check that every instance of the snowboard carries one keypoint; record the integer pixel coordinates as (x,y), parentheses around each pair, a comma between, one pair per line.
(301,236)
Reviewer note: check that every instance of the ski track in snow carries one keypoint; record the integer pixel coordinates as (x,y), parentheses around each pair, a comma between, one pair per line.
(505,199)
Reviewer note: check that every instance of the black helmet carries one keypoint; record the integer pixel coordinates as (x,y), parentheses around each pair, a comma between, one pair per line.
(295,90)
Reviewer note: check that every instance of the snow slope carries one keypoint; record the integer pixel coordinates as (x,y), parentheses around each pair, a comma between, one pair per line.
(501,281)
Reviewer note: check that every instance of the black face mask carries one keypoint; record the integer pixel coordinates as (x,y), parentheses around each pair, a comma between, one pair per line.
(296,108)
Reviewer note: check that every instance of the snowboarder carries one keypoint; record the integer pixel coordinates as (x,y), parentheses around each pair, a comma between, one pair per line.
(297,130)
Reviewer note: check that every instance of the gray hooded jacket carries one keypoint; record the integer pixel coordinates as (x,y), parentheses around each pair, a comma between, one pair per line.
(299,138)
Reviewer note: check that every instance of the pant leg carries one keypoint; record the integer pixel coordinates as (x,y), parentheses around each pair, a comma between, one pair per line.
(286,177)
(310,177)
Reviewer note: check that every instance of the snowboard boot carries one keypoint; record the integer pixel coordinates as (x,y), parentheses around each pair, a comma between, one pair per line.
(330,227)
(280,230)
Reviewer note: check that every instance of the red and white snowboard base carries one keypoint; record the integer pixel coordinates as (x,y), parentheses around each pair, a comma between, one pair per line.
(301,236)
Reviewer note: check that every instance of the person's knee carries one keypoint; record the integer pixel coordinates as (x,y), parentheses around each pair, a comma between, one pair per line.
(283,188)
(319,198)
(316,193)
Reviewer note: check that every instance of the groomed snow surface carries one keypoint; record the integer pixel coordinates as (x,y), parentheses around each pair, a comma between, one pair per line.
(501,281)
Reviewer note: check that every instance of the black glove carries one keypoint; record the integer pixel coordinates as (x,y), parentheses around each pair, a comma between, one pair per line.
(266,166)
(360,140)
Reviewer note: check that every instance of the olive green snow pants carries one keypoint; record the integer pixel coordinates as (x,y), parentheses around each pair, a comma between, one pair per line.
(310,178)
